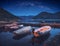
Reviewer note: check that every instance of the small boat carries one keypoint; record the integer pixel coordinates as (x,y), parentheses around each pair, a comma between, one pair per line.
(23,30)
(42,31)
(21,26)
(16,26)
(13,26)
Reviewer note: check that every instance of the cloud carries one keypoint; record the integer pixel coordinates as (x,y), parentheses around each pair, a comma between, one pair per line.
(26,4)
(40,6)
(44,7)
(31,4)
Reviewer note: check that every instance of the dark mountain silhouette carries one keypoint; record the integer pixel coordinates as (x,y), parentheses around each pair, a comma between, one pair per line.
(46,15)
(7,16)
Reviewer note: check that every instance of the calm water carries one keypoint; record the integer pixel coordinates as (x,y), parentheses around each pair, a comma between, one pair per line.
(40,20)
(8,39)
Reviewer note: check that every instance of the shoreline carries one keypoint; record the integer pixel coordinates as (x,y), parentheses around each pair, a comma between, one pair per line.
(55,25)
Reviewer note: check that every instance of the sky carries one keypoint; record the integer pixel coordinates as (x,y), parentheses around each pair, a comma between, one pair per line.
(30,7)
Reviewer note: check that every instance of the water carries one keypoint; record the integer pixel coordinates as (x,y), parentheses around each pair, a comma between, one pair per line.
(7,39)
(40,20)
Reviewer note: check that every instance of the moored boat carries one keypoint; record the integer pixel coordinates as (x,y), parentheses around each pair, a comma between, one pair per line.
(23,30)
(13,26)
(42,31)
(21,25)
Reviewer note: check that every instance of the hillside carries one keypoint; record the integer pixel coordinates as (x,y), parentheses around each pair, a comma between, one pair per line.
(7,16)
(46,15)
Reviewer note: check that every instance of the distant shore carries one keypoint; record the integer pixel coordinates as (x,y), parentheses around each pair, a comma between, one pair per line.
(57,25)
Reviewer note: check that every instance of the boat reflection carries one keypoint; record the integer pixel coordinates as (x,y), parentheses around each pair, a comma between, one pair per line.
(17,37)
(37,41)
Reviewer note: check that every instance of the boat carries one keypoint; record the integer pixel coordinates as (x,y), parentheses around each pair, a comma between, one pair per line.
(21,25)
(16,26)
(24,30)
(13,26)
(42,31)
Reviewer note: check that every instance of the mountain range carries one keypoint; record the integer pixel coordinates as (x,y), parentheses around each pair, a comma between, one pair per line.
(46,15)
(7,16)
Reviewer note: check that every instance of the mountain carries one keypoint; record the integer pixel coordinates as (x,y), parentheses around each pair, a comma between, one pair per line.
(46,15)
(7,16)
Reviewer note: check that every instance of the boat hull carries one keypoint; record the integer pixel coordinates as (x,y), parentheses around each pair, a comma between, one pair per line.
(24,30)
(45,30)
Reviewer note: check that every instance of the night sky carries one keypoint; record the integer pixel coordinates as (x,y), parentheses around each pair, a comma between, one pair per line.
(30,7)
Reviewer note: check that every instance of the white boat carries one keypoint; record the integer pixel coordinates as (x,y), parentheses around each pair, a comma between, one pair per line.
(21,26)
(42,31)
(23,30)
(14,27)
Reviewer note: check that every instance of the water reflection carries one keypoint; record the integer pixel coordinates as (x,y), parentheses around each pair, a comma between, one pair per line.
(3,29)
(39,40)
(8,39)
(17,37)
